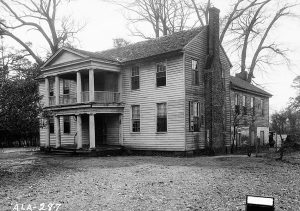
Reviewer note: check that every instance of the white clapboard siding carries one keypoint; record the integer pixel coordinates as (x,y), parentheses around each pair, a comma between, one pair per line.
(42,90)
(68,138)
(197,50)
(147,97)
(42,136)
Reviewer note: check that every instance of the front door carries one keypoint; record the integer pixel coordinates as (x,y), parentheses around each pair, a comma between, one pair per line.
(100,130)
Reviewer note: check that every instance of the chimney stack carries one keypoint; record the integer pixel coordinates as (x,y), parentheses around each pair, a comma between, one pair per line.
(213,35)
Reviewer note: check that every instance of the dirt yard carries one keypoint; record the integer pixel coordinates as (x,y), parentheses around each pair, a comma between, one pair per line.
(36,181)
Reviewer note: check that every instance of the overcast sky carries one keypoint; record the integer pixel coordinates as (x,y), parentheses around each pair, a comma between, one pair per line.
(105,22)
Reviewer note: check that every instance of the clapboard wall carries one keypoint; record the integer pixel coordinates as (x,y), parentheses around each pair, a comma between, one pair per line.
(147,97)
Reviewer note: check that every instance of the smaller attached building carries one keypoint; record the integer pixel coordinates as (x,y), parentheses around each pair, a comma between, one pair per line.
(249,112)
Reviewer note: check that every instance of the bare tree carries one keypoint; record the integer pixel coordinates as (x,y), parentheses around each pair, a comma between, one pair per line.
(248,24)
(40,16)
(164,16)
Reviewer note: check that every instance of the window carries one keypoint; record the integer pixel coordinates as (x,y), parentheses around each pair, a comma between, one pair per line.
(135,78)
(262,107)
(195,116)
(135,109)
(237,104)
(51,124)
(202,114)
(195,72)
(67,125)
(161,74)
(66,87)
(161,117)
(252,105)
(244,105)
(51,88)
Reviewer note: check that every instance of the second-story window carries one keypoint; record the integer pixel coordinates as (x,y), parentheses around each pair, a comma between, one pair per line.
(244,105)
(236,104)
(51,88)
(252,101)
(262,107)
(135,109)
(66,87)
(195,72)
(162,117)
(161,74)
(135,77)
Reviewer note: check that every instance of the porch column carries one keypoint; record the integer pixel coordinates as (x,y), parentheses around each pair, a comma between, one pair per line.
(56,90)
(47,91)
(79,89)
(92,130)
(47,138)
(91,85)
(79,132)
(57,131)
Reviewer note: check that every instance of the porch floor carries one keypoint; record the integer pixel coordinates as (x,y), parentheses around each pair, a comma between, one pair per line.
(103,150)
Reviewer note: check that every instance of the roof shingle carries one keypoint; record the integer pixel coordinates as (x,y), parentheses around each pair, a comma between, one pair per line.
(239,83)
(147,48)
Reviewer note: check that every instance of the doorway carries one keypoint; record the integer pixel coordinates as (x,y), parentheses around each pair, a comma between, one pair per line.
(100,130)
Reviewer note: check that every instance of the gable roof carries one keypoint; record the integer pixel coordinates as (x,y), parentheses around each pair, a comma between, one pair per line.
(242,85)
(148,48)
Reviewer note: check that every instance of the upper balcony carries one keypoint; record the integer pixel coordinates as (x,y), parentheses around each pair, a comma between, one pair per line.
(102,87)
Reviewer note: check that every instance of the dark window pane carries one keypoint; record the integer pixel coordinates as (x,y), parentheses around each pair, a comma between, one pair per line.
(135,125)
(135,118)
(135,82)
(51,125)
(161,75)
(66,87)
(161,124)
(135,77)
(237,109)
(67,126)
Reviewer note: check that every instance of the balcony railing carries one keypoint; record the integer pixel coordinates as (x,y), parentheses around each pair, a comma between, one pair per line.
(100,97)
(85,96)
(107,97)
(51,100)
(67,99)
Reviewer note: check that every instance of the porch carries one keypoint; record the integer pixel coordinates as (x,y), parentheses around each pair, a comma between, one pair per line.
(87,85)
(85,131)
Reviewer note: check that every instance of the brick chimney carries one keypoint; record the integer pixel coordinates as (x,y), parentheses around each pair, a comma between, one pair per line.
(213,36)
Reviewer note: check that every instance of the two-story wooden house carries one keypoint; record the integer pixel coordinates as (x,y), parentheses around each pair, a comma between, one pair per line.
(249,112)
(158,94)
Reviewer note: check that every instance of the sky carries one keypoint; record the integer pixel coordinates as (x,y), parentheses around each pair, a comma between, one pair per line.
(105,21)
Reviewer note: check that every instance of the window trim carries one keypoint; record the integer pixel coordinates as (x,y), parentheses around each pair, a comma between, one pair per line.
(51,88)
(64,86)
(161,132)
(135,76)
(131,117)
(164,63)
(195,72)
(192,116)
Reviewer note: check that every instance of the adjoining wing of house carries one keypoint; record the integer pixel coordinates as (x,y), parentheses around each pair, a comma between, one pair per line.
(151,95)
